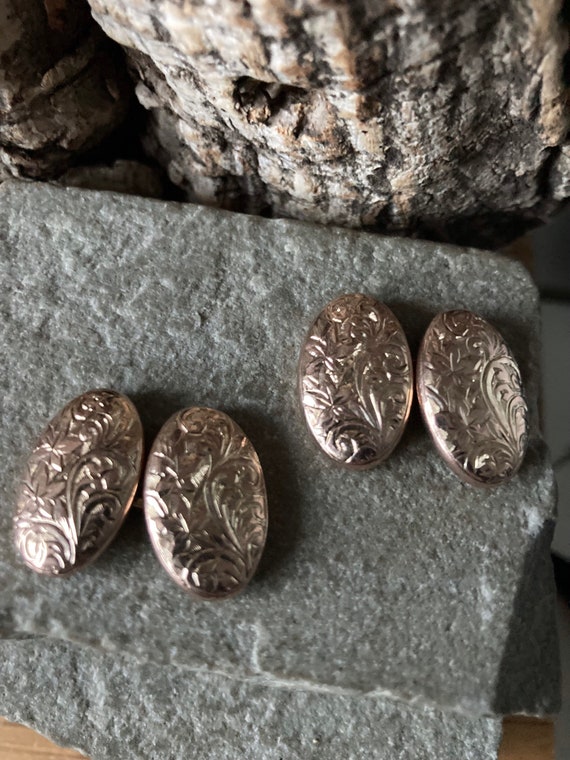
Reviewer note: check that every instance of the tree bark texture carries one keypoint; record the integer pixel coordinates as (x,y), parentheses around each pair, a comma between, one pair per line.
(431,117)
(63,87)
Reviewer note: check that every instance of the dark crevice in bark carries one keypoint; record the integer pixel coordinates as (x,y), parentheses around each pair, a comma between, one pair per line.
(543,178)
(259,101)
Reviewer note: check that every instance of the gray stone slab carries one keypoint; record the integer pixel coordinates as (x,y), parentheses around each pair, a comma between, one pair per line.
(109,708)
(398,581)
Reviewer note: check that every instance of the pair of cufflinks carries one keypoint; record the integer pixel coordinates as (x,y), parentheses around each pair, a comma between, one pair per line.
(203,493)
(356,382)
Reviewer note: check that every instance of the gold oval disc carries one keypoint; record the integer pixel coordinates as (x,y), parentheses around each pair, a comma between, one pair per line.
(471,396)
(79,483)
(356,380)
(205,503)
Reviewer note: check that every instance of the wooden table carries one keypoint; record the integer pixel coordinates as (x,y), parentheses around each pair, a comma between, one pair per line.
(523,739)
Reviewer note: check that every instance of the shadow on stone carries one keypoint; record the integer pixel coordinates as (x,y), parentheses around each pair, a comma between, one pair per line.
(415,320)
(522,681)
(155,407)
(128,541)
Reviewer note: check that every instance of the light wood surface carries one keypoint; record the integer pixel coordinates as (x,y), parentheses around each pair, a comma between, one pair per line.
(527,739)
(523,739)
(21,743)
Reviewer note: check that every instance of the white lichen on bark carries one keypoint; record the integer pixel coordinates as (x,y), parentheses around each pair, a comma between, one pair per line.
(430,118)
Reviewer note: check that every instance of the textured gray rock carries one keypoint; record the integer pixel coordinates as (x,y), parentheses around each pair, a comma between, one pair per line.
(116,709)
(398,581)
(442,119)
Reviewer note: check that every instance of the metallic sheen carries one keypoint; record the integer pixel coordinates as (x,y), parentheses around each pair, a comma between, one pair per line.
(471,396)
(355,380)
(79,483)
(205,503)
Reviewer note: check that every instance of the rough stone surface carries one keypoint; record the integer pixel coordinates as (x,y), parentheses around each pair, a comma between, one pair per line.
(110,708)
(63,86)
(442,119)
(398,581)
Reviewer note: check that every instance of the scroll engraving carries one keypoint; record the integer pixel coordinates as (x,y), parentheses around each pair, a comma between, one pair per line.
(355,380)
(205,503)
(470,389)
(79,483)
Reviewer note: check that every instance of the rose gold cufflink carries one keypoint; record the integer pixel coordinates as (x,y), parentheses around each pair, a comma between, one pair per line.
(470,392)
(356,381)
(79,483)
(205,503)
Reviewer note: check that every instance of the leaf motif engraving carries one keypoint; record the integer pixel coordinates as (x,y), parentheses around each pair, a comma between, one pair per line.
(79,482)
(471,395)
(205,503)
(355,380)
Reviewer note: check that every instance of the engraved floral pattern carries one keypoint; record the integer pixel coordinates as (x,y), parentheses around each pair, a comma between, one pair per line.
(205,503)
(471,393)
(355,376)
(79,482)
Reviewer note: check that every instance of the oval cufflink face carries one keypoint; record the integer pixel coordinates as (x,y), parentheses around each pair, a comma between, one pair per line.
(470,393)
(79,483)
(356,380)
(205,503)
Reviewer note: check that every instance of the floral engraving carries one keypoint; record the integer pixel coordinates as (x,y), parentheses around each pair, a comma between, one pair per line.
(205,503)
(79,483)
(471,394)
(355,380)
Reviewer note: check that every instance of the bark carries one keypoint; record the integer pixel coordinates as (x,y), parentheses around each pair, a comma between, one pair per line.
(428,117)
(63,86)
